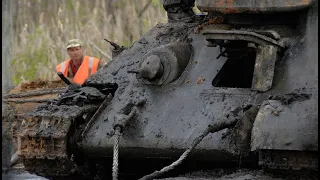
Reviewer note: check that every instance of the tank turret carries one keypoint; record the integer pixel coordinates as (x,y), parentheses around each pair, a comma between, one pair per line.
(251,6)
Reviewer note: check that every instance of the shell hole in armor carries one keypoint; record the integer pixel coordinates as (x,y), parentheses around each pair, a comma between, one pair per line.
(238,70)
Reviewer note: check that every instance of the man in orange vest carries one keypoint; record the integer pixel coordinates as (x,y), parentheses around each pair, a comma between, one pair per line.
(78,67)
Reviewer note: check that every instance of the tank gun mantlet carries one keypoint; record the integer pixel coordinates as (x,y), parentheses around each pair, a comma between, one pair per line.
(164,64)
(151,68)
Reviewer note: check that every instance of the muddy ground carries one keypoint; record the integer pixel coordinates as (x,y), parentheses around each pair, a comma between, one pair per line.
(19,174)
(12,175)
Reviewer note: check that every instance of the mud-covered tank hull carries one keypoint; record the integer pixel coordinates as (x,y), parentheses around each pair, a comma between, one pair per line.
(182,79)
(174,114)
(177,112)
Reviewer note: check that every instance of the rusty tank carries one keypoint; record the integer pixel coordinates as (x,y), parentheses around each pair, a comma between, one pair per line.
(235,87)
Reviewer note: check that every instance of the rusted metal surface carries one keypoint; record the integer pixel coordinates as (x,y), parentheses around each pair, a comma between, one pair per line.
(251,6)
(43,138)
(23,99)
(214,20)
(34,144)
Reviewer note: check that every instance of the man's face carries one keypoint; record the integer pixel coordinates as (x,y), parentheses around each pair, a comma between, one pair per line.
(75,53)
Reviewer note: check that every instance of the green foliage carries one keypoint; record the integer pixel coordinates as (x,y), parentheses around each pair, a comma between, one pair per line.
(39,43)
(27,64)
(69,5)
(196,10)
(156,2)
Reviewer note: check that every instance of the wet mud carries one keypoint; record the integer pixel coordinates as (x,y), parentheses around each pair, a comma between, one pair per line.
(215,174)
(241,175)
(20,175)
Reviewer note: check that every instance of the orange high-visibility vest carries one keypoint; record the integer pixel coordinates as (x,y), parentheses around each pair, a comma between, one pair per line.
(89,64)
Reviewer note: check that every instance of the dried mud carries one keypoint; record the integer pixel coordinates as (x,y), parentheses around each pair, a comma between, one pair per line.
(38,84)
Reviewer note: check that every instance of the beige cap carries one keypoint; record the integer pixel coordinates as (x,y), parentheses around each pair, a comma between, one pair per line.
(73,43)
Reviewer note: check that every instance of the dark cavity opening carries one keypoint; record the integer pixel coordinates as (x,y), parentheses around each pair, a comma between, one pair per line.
(104,88)
(237,72)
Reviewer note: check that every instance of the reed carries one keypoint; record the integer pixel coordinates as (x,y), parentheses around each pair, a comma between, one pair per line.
(42,28)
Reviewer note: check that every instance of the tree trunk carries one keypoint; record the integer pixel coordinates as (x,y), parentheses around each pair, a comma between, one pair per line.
(7,43)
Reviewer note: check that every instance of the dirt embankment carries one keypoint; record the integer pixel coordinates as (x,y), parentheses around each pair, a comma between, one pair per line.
(22,99)
(37,85)
(19,96)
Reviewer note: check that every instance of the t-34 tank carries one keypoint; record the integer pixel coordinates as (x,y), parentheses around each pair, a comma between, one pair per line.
(237,87)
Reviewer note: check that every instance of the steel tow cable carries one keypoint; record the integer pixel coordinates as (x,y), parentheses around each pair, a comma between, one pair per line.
(218,125)
(115,165)
(123,119)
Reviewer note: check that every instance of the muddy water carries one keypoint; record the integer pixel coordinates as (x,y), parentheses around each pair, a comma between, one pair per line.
(244,175)
(199,175)
(21,175)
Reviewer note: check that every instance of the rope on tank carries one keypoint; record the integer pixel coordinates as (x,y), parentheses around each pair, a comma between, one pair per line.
(218,125)
(115,165)
(180,160)
(122,121)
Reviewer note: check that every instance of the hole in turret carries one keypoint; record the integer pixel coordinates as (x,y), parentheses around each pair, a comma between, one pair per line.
(237,72)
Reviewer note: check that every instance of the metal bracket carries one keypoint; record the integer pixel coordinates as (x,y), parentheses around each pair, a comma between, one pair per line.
(241,35)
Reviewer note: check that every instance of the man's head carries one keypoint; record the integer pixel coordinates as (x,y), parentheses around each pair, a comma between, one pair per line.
(74,49)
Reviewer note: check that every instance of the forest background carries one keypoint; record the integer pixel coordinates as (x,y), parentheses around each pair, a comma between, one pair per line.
(41,28)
